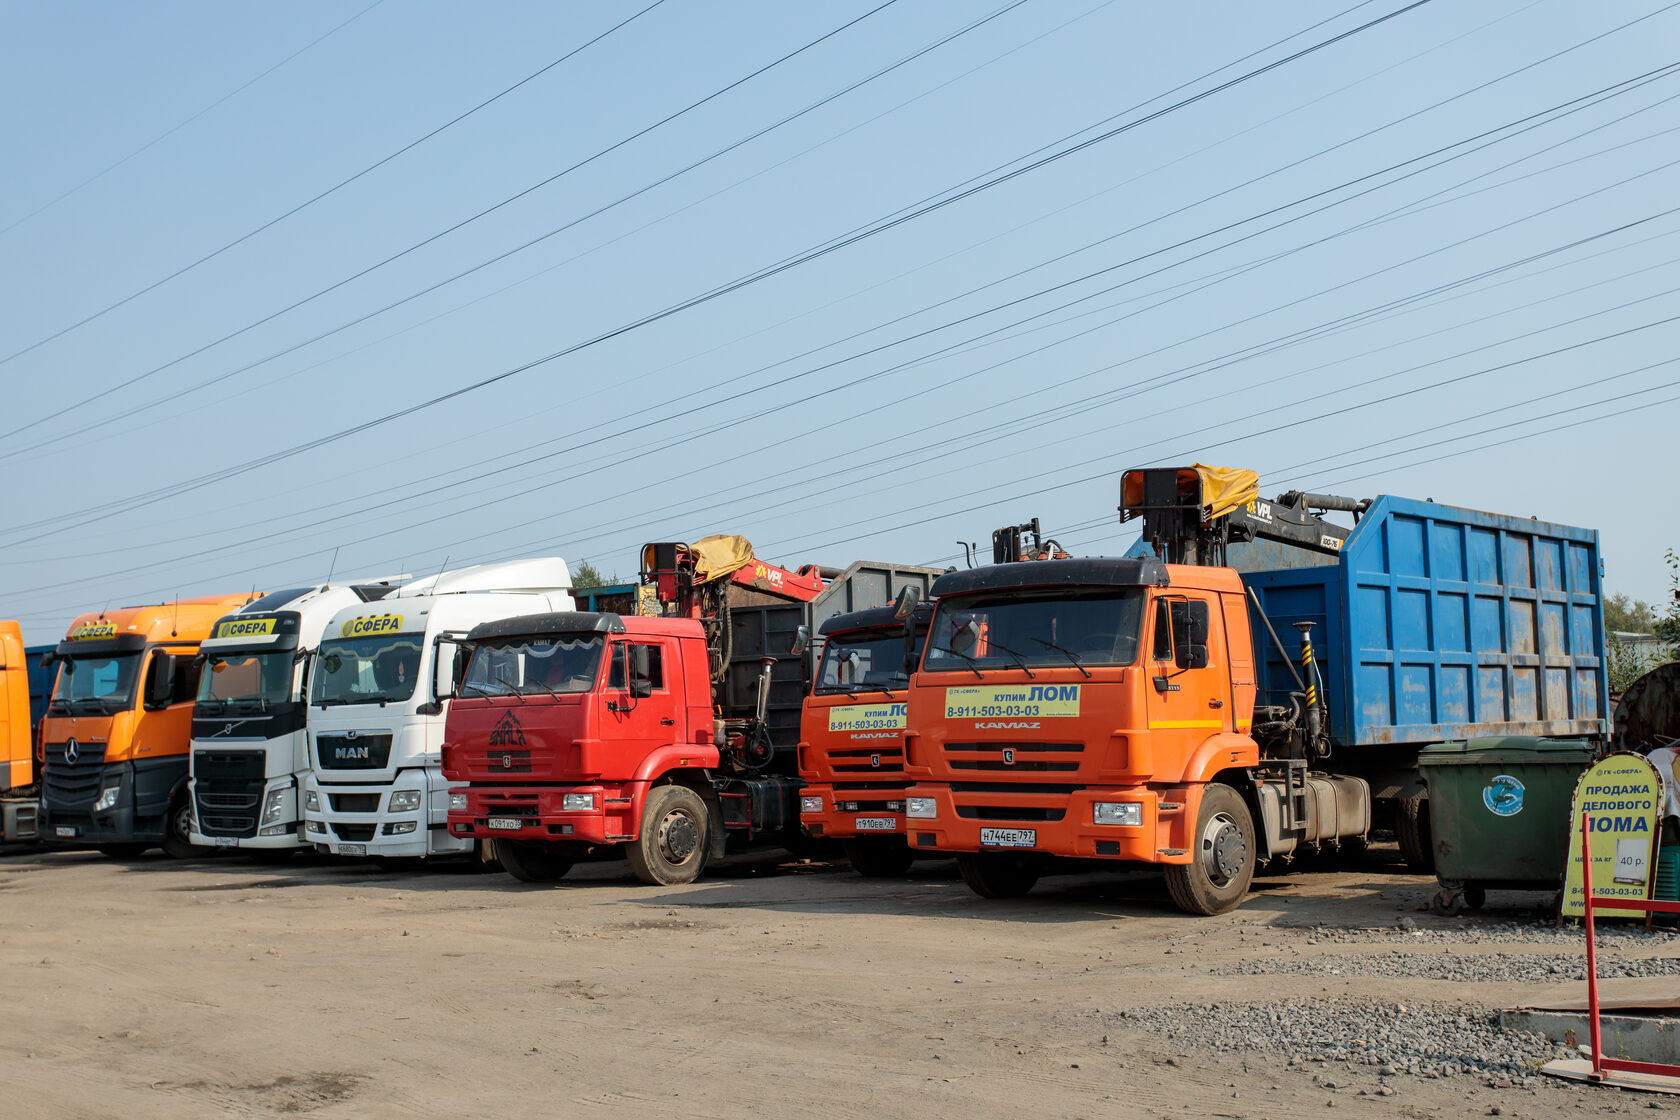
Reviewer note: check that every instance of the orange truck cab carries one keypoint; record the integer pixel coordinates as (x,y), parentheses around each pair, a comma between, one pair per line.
(851,749)
(17,741)
(117,729)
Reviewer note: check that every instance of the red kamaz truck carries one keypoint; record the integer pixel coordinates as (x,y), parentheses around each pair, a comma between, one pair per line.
(851,742)
(665,734)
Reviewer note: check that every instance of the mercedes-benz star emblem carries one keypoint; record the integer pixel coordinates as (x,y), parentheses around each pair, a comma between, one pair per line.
(70,747)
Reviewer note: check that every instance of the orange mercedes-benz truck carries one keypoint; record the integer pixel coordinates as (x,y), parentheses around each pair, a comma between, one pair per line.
(118,727)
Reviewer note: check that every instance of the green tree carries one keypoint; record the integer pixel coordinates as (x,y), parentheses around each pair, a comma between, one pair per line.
(1628,615)
(587,576)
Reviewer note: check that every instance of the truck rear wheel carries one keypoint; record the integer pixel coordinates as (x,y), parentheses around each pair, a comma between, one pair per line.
(177,831)
(671,848)
(533,863)
(1411,829)
(998,874)
(1222,858)
(879,857)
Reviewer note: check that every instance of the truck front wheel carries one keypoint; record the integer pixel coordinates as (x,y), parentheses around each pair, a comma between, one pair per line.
(998,874)
(879,857)
(533,863)
(1411,829)
(177,836)
(672,846)
(1222,859)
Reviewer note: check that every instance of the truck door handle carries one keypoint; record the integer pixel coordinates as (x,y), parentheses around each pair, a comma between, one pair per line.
(1216,703)
(667,722)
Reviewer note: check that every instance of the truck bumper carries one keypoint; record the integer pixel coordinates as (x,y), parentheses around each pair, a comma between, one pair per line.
(1059,824)
(283,831)
(356,820)
(542,813)
(139,814)
(844,814)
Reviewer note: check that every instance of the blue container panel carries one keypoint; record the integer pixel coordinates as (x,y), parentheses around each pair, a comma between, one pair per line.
(1441,623)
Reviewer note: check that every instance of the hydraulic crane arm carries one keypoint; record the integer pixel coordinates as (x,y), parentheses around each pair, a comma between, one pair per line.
(1190,514)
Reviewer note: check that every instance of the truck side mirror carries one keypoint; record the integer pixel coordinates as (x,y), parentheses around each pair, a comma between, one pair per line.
(801,640)
(160,681)
(641,672)
(1191,656)
(906,602)
(444,666)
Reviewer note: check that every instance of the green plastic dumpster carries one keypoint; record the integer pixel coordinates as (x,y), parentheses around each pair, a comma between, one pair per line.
(1499,814)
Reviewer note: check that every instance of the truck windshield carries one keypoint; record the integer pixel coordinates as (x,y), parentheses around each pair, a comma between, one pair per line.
(562,663)
(246,679)
(864,660)
(96,684)
(367,670)
(1034,627)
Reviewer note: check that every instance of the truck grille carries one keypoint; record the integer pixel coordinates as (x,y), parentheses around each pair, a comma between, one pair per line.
(366,751)
(1060,758)
(493,761)
(354,802)
(74,784)
(1009,813)
(985,801)
(355,833)
(228,786)
(866,760)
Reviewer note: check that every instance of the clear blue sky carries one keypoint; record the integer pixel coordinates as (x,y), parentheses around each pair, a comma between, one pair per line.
(962,370)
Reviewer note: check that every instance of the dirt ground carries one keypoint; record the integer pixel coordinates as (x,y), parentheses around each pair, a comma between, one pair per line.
(155,988)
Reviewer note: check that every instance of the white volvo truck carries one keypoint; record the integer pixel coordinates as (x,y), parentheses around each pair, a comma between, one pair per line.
(375,785)
(248,747)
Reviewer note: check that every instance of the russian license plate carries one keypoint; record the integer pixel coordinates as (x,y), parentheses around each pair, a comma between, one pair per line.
(1008,837)
(66,830)
(225,842)
(352,849)
(877,824)
(511,824)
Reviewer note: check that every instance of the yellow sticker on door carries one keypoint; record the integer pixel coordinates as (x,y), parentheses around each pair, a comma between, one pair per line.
(866,717)
(1053,700)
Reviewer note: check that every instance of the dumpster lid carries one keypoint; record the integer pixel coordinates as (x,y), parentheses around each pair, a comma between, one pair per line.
(1504,748)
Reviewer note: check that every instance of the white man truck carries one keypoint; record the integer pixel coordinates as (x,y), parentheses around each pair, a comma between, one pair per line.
(375,785)
(248,747)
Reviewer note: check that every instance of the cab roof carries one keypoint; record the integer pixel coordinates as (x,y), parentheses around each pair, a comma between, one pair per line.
(1090,571)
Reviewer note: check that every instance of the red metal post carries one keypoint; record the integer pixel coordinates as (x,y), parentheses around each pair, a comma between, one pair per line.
(1592,955)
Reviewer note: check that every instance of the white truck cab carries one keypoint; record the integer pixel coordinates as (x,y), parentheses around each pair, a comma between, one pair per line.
(248,748)
(375,784)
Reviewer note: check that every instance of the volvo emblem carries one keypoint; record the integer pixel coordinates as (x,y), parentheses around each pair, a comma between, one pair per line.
(875,760)
(507,762)
(70,747)
(1009,756)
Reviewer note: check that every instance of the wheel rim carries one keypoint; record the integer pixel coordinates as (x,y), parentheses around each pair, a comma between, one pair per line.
(1224,849)
(183,824)
(679,836)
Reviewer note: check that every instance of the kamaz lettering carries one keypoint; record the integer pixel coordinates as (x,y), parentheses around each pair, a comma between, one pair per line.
(1015,726)
(368,627)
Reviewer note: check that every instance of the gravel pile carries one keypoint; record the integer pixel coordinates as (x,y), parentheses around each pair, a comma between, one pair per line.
(1413,932)
(1480,968)
(1420,1040)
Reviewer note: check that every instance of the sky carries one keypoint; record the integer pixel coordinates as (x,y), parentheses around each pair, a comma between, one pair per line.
(306,288)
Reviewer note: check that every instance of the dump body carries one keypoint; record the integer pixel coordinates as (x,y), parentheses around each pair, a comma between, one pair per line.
(1436,623)
(117,729)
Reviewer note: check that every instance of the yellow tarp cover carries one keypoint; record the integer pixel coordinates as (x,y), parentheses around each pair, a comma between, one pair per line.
(1227,488)
(717,556)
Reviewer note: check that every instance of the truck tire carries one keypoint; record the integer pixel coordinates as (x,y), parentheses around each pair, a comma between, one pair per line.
(998,874)
(177,830)
(1222,856)
(533,863)
(1411,829)
(671,847)
(879,857)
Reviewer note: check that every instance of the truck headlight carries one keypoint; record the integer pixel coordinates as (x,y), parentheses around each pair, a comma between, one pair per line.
(107,799)
(404,799)
(1127,813)
(921,808)
(572,802)
(311,801)
(457,801)
(810,804)
(397,828)
(272,805)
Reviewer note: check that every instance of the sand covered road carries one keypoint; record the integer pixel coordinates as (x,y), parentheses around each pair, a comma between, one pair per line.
(153,988)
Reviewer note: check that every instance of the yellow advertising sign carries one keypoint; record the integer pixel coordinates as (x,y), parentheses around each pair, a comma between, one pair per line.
(245,627)
(1054,700)
(867,717)
(1621,796)
(92,631)
(369,627)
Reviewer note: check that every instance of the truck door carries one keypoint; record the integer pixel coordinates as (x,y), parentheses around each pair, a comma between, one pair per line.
(640,725)
(1186,704)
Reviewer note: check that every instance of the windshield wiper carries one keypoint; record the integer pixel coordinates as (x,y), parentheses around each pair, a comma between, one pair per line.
(854,689)
(544,686)
(509,685)
(973,665)
(1071,656)
(477,689)
(1020,662)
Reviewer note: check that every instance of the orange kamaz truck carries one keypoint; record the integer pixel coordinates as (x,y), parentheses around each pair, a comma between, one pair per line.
(19,765)
(117,730)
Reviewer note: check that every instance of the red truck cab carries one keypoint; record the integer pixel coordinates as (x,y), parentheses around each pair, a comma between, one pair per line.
(851,748)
